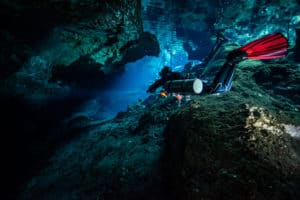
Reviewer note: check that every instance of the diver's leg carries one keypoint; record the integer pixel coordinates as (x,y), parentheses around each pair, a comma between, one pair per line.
(223,80)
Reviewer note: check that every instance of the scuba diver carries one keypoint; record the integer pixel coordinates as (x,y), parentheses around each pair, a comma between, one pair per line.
(266,48)
(166,74)
(189,70)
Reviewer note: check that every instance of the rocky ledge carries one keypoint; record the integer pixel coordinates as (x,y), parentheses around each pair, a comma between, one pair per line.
(240,145)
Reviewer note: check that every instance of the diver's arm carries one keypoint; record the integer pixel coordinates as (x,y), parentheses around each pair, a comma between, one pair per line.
(155,85)
(166,77)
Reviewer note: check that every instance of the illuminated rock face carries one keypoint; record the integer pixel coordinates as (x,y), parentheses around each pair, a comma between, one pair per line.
(240,145)
(241,152)
(62,31)
(59,44)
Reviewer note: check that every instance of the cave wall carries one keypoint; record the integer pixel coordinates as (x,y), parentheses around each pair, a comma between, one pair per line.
(43,42)
(47,49)
(62,31)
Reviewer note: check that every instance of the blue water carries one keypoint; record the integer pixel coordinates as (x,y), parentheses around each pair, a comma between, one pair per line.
(125,89)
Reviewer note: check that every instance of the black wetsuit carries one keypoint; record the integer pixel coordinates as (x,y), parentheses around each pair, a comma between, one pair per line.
(221,83)
(166,75)
(223,80)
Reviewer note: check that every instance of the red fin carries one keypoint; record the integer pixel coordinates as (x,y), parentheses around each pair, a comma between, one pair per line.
(269,47)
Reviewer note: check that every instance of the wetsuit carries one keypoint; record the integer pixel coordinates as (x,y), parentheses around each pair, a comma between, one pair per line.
(166,75)
(223,80)
(221,83)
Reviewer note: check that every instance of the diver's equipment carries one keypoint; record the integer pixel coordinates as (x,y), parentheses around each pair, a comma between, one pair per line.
(223,80)
(266,48)
(185,86)
(269,47)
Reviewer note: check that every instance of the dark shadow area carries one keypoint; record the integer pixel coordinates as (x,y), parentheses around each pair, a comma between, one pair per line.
(297,47)
(282,80)
(22,29)
(83,73)
(32,25)
(30,134)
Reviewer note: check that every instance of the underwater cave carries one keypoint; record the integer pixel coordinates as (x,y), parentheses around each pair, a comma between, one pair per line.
(150,99)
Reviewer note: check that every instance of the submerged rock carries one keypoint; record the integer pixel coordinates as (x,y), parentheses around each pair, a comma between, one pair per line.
(230,150)
(282,80)
(237,145)
(240,145)
(117,159)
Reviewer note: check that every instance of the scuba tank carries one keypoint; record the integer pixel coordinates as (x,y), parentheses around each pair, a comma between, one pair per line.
(184,86)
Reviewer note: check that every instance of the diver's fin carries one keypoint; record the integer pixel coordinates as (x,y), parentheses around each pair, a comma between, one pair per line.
(266,48)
